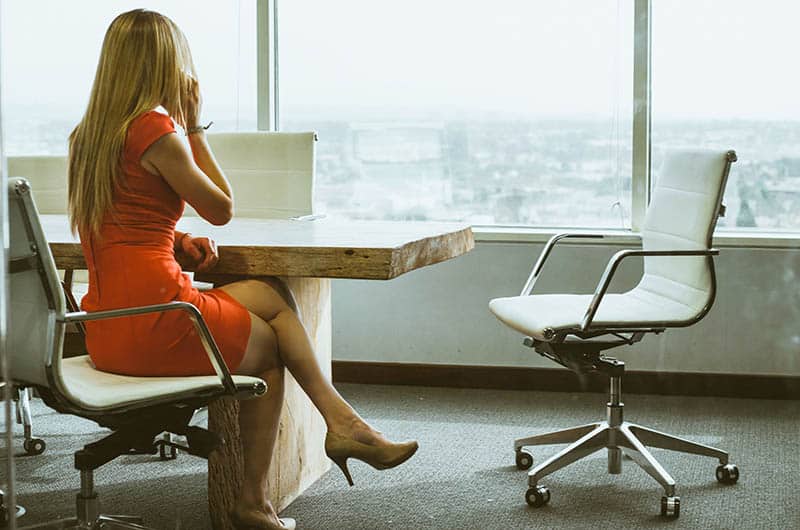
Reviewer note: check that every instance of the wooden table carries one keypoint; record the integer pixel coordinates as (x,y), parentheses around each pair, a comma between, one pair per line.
(306,255)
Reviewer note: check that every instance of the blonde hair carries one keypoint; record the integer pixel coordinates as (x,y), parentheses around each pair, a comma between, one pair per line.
(144,63)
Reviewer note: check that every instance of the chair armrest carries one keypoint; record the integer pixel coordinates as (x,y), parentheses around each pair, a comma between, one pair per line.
(611,268)
(537,268)
(214,355)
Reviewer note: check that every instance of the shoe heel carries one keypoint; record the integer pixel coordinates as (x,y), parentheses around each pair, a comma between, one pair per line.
(342,463)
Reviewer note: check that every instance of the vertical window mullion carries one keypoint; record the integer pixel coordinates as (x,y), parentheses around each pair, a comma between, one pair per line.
(266,65)
(640,186)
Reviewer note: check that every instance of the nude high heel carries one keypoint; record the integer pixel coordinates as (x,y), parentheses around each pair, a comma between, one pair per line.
(340,448)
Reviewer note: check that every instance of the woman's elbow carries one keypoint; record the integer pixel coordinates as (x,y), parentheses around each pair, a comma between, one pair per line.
(222,215)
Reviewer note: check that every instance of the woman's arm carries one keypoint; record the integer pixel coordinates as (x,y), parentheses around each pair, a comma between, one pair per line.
(193,174)
(205,160)
(208,193)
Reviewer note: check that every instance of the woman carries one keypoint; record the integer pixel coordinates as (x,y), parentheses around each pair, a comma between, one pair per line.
(129,175)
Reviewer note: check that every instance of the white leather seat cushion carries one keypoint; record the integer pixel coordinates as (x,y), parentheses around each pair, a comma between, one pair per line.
(101,390)
(531,315)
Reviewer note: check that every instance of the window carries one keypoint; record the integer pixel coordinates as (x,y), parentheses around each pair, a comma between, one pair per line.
(724,76)
(504,113)
(50,50)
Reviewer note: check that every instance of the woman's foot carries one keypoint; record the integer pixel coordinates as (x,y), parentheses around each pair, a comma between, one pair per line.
(360,441)
(246,517)
(355,428)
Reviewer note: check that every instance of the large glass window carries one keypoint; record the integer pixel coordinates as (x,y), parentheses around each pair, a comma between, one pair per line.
(724,76)
(512,112)
(50,50)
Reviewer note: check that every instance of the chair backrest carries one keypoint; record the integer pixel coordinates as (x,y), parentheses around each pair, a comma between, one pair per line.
(685,204)
(36,299)
(271,173)
(46,174)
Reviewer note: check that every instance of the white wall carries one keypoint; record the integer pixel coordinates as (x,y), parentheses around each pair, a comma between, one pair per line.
(440,314)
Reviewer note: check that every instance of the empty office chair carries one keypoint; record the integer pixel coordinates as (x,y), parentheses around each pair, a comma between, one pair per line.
(677,289)
(136,409)
(271,173)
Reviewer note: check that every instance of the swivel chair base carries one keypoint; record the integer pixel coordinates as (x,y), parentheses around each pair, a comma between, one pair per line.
(617,436)
(88,516)
(6,513)
(134,438)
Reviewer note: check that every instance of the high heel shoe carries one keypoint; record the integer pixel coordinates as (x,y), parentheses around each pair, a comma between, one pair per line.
(339,448)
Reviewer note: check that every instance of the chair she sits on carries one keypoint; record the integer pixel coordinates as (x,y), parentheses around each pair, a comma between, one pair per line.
(49,174)
(136,409)
(677,289)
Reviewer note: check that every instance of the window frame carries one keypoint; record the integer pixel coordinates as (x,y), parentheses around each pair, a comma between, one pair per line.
(267,107)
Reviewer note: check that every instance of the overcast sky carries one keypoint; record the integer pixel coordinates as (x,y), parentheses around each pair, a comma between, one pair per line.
(712,58)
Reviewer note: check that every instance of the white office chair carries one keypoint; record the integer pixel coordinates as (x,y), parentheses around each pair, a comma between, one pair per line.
(136,409)
(48,173)
(271,173)
(677,289)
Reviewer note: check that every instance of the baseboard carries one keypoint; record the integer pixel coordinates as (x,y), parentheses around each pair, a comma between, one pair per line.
(563,380)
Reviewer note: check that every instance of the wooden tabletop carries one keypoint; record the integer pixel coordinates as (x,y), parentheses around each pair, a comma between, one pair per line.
(322,248)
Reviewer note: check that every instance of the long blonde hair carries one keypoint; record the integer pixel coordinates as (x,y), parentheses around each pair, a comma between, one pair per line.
(144,62)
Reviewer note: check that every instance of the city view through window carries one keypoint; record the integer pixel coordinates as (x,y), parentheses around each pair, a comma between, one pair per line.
(448,111)
(520,114)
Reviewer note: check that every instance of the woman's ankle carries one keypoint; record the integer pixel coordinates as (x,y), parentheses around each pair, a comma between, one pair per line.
(357,429)
(253,501)
(256,514)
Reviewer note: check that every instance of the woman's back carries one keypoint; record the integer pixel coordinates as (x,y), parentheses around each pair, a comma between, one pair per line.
(131,262)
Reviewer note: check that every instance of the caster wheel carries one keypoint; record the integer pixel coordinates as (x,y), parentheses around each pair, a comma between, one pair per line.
(728,474)
(524,460)
(34,446)
(4,515)
(167,452)
(671,507)
(537,496)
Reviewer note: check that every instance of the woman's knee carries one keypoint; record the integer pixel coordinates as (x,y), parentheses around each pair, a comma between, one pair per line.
(282,290)
(266,296)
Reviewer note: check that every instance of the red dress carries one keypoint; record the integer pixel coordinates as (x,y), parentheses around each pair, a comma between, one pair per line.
(132,263)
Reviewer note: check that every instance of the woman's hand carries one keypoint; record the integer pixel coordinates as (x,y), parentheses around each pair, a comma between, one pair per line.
(192,103)
(199,253)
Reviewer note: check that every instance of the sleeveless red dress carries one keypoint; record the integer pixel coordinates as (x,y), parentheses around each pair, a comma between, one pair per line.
(132,263)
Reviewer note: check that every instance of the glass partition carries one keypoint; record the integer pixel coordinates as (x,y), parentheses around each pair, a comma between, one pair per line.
(8,503)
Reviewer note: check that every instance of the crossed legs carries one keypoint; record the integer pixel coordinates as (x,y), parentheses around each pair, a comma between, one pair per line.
(278,341)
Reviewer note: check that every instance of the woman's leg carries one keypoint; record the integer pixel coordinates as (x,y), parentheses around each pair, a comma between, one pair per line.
(258,425)
(271,301)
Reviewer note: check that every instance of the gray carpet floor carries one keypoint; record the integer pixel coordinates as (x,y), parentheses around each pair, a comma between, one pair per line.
(463,476)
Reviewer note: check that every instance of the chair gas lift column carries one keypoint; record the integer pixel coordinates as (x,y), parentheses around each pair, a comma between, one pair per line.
(677,289)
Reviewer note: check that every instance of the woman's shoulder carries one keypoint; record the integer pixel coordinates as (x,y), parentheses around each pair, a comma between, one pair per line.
(145,129)
(149,120)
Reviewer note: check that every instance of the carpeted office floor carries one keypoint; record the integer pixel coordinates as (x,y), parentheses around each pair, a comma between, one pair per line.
(464,476)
